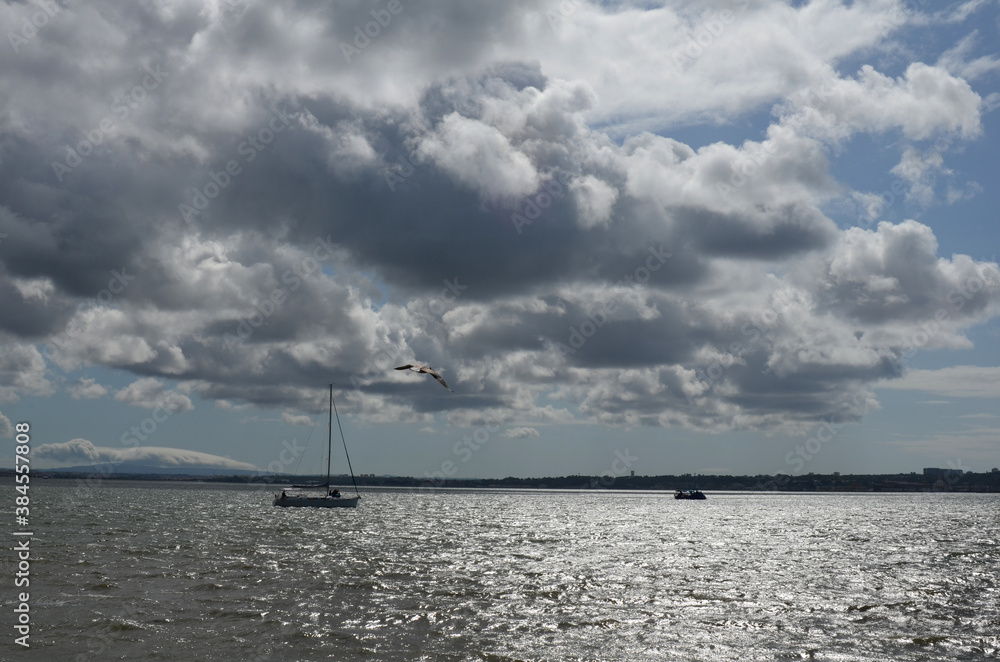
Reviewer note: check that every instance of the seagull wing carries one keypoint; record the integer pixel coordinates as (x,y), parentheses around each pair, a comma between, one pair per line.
(414,367)
(436,376)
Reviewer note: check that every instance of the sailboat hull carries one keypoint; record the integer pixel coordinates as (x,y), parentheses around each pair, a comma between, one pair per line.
(316,502)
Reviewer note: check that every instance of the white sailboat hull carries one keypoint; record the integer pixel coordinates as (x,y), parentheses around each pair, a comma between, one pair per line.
(298,501)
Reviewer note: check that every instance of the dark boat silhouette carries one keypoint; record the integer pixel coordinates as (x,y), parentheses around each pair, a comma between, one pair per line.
(690,494)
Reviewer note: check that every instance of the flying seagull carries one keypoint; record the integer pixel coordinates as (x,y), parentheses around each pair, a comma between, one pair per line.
(425,368)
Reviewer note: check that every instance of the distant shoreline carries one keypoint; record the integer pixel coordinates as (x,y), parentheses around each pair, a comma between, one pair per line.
(938,480)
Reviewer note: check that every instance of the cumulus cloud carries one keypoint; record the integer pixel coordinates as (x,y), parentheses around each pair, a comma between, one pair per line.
(480,157)
(923,102)
(87,389)
(6,429)
(23,370)
(82,451)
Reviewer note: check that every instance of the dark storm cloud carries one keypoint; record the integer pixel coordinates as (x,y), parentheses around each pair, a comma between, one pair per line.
(787,232)
(28,316)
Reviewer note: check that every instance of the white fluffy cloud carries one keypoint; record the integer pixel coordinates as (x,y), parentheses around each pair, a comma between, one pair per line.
(480,157)
(923,102)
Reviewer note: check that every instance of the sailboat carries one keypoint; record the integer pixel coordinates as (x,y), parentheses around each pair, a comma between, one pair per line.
(330,498)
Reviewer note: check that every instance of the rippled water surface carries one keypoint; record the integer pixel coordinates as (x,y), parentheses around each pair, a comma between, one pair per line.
(140,571)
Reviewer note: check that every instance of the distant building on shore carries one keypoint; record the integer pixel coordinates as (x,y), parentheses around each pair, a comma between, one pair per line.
(942,472)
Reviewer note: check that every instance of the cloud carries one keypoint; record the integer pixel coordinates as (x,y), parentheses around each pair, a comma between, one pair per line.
(964,381)
(23,370)
(892,279)
(926,100)
(520,433)
(550,239)
(957,60)
(229,406)
(480,157)
(595,199)
(87,389)
(292,419)
(150,393)
(6,429)
(82,451)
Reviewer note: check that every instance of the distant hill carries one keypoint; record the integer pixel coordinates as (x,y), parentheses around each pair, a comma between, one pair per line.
(136,468)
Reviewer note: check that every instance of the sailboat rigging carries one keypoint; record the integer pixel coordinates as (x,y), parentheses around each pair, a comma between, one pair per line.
(330,498)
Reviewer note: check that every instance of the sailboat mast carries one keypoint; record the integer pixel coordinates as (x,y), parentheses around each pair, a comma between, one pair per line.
(329,440)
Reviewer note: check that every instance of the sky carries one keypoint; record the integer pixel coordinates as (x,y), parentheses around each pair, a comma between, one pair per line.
(725,237)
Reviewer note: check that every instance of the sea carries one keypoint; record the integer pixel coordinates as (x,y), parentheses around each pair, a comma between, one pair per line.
(199,571)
